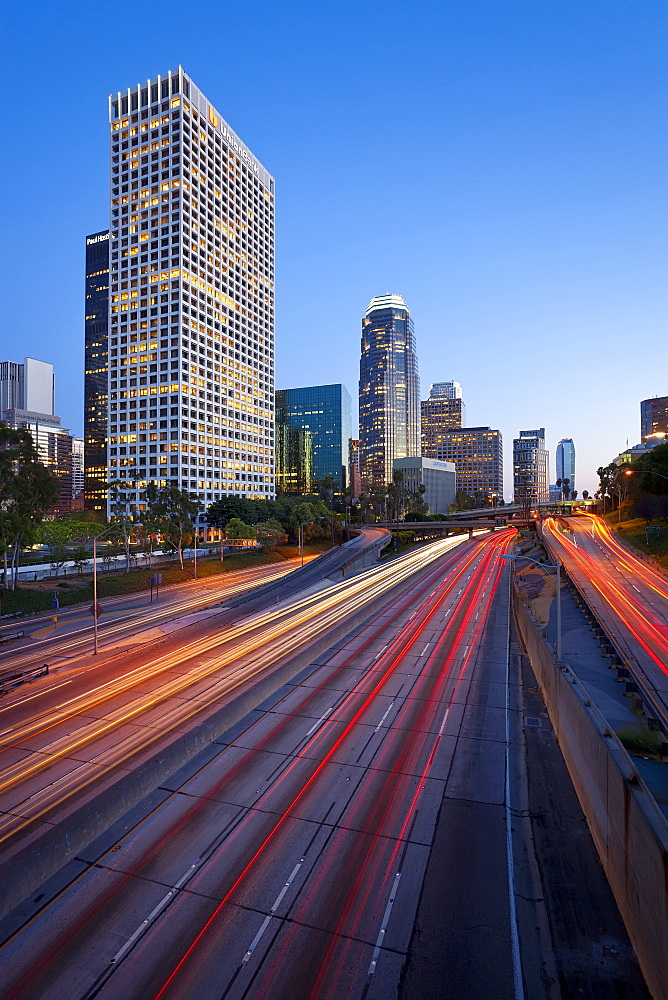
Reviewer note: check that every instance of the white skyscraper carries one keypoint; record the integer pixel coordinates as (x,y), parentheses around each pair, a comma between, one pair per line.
(30,386)
(191,325)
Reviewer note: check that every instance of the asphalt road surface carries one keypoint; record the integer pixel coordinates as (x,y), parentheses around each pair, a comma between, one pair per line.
(288,860)
(627,595)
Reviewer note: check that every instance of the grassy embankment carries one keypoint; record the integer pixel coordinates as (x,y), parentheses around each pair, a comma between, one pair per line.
(31,597)
(632,530)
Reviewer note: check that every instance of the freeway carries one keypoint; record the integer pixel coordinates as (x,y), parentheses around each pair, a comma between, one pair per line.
(289,861)
(81,732)
(120,616)
(629,598)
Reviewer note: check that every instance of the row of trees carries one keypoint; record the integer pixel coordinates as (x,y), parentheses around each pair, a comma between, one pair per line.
(642,486)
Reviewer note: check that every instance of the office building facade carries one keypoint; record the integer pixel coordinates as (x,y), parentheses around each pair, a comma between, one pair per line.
(324,411)
(389,390)
(565,460)
(57,450)
(530,467)
(28,386)
(439,478)
(96,363)
(354,478)
(654,419)
(477,454)
(293,460)
(191,275)
(443,411)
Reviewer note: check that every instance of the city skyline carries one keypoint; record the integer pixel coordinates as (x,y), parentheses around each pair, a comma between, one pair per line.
(537,128)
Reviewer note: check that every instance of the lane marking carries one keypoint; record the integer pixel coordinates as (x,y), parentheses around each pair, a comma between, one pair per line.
(267,920)
(445,719)
(321,719)
(384,717)
(386,917)
(37,694)
(154,913)
(426,648)
(510,860)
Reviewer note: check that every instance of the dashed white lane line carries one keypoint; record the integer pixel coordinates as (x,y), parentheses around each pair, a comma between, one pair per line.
(154,913)
(321,719)
(426,648)
(386,917)
(267,920)
(384,717)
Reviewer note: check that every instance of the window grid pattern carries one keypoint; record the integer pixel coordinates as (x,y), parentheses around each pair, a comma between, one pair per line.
(191,353)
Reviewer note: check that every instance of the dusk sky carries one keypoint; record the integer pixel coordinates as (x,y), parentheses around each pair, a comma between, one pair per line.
(501,164)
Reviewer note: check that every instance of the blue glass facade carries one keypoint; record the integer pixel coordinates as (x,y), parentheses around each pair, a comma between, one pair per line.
(325,411)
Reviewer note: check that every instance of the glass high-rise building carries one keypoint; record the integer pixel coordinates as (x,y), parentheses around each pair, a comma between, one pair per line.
(389,390)
(96,363)
(654,419)
(530,467)
(324,411)
(444,410)
(477,454)
(191,324)
(565,459)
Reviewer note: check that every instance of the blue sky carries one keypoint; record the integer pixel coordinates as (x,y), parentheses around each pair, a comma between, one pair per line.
(499,163)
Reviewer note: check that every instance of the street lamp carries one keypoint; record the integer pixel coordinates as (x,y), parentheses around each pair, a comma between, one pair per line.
(300,532)
(548,566)
(631,472)
(95,604)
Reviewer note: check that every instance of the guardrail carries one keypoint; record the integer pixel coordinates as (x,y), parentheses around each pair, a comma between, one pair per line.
(655,710)
(8,636)
(10,680)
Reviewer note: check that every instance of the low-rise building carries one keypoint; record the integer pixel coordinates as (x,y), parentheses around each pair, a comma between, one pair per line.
(439,478)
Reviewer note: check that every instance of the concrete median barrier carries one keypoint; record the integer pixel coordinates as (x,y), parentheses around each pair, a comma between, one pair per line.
(629,830)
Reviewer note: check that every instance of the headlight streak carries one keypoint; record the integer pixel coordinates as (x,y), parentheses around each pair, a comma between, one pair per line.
(410,633)
(626,607)
(502,538)
(81,638)
(368,868)
(318,610)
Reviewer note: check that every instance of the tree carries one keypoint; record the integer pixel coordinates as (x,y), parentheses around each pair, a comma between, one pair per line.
(270,534)
(585,494)
(174,509)
(27,490)
(236,528)
(645,467)
(55,534)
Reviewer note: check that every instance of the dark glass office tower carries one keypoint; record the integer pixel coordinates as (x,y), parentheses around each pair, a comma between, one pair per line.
(324,411)
(96,365)
(389,391)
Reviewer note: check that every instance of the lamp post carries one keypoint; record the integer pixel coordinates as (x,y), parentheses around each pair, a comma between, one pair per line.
(557,566)
(95,604)
(300,534)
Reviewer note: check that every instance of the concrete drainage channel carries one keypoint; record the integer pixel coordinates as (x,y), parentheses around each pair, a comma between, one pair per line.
(628,828)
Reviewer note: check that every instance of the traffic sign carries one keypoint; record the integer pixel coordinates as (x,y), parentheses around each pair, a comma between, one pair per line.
(55,604)
(95,610)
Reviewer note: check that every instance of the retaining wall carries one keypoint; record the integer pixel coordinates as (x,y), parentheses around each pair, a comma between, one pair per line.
(628,828)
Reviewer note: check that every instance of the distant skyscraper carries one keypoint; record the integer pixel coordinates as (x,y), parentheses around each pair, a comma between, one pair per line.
(389,390)
(354,479)
(477,453)
(530,466)
(443,411)
(566,461)
(447,390)
(30,386)
(191,325)
(324,411)
(96,359)
(653,418)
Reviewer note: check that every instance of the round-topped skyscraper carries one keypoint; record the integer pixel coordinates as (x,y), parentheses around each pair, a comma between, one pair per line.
(389,390)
